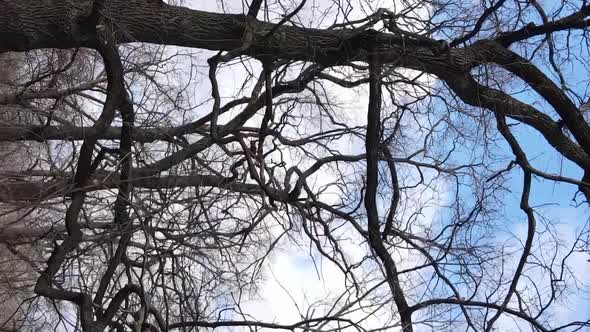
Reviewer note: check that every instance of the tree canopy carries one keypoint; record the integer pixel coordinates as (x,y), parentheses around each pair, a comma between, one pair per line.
(164,165)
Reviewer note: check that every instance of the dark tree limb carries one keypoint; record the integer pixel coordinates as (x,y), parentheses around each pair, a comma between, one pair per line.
(373,147)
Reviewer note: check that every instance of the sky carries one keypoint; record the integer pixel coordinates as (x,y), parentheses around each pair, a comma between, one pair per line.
(296,278)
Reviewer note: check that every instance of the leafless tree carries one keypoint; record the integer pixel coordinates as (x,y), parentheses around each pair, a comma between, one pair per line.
(169,151)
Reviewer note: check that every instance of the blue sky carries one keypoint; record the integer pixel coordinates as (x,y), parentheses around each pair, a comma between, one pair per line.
(296,277)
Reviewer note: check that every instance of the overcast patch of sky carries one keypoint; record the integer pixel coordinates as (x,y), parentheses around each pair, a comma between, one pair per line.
(293,280)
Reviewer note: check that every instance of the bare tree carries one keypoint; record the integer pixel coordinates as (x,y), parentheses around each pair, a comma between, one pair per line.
(174,149)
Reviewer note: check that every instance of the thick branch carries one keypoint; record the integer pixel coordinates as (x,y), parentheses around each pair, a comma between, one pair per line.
(31,24)
(38,191)
(372,147)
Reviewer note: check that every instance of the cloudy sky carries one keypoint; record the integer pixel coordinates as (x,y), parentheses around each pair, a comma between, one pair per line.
(296,278)
(298,282)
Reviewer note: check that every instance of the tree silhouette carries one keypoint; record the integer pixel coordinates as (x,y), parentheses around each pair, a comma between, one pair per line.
(174,151)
